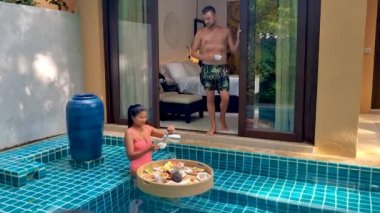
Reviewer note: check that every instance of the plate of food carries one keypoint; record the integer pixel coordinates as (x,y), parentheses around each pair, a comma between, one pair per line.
(158,169)
(178,164)
(203,176)
(175,178)
(150,177)
(164,175)
(197,170)
(193,180)
(190,171)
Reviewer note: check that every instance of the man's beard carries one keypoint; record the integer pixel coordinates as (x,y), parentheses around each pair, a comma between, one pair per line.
(210,25)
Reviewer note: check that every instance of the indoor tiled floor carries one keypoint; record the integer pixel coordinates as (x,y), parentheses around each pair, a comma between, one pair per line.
(202,124)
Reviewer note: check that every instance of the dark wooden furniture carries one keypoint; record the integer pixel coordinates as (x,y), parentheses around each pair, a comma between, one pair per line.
(169,87)
(181,104)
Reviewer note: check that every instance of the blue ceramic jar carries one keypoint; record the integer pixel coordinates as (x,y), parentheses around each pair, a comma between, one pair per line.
(85,123)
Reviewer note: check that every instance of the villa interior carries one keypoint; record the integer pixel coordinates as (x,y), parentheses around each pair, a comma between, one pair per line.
(176,31)
(181,74)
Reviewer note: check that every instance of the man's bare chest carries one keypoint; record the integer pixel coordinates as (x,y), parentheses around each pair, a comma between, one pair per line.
(214,39)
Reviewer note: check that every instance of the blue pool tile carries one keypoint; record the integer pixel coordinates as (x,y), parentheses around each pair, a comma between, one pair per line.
(289,182)
(354,174)
(375,180)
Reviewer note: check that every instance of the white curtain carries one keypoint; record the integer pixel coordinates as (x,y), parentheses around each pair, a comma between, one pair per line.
(286,50)
(134,55)
(135,71)
(133,10)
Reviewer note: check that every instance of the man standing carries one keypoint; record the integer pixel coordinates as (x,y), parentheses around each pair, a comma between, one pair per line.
(213,42)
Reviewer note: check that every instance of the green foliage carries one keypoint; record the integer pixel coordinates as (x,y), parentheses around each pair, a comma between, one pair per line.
(266,16)
(23,2)
(266,67)
(262,51)
(60,4)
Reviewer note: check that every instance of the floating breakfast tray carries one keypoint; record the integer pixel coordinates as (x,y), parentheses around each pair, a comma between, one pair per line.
(192,184)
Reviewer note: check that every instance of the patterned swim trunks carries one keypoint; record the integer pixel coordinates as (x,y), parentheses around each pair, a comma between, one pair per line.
(215,77)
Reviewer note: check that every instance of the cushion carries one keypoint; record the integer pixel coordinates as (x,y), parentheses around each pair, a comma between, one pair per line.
(167,94)
(177,71)
(181,99)
(192,69)
(165,72)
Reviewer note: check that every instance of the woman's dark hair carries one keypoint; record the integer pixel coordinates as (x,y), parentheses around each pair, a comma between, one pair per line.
(208,9)
(134,110)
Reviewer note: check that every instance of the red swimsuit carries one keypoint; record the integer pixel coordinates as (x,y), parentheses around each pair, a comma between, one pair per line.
(141,144)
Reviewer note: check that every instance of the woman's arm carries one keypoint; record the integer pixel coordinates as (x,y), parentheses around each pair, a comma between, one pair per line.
(159,133)
(130,149)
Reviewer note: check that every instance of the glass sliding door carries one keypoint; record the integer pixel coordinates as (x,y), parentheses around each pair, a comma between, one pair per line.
(132,56)
(135,65)
(277,88)
(273,69)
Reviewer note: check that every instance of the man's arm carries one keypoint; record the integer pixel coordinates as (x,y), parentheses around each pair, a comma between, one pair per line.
(233,47)
(195,46)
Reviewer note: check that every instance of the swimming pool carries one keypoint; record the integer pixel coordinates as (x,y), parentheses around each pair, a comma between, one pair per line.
(244,182)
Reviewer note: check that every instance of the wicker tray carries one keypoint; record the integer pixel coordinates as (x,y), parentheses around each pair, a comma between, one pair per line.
(175,190)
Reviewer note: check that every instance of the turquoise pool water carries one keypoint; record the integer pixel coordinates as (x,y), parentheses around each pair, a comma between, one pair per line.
(39,178)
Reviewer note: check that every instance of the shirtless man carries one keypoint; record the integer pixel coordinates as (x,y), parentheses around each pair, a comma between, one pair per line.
(212,43)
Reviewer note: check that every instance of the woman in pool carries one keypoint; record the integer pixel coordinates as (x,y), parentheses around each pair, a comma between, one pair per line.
(138,141)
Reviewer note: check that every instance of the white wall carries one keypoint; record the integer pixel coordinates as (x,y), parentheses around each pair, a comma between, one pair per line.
(40,69)
(184,11)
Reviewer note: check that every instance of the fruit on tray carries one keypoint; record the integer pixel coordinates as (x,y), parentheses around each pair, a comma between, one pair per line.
(197,170)
(149,176)
(168,166)
(178,164)
(164,175)
(175,172)
(148,170)
(176,177)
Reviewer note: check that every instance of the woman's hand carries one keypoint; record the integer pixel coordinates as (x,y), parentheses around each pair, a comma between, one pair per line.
(170,129)
(153,147)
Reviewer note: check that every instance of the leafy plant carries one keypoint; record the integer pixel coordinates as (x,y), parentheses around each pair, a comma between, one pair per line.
(23,2)
(60,4)
(266,67)
(262,50)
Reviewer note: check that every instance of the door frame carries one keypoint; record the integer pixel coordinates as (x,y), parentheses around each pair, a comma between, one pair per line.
(375,100)
(111,55)
(306,77)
